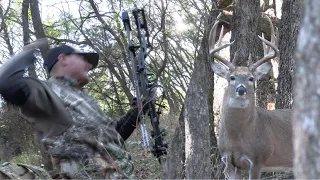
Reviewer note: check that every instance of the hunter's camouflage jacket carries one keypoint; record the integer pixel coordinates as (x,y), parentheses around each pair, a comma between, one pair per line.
(74,128)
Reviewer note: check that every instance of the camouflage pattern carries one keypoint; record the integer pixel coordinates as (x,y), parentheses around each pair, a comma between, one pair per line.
(91,147)
(22,171)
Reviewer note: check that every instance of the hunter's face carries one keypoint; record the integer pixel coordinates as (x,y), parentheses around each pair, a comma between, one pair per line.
(78,67)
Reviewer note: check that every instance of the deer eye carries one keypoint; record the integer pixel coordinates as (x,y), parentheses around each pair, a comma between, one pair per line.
(251,79)
(232,78)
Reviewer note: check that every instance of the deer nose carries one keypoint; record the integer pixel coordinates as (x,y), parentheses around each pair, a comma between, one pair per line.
(241,90)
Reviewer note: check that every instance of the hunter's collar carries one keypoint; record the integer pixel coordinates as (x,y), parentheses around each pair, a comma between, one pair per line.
(65,80)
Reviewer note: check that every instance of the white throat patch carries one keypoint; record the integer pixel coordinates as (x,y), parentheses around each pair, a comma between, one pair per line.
(238,103)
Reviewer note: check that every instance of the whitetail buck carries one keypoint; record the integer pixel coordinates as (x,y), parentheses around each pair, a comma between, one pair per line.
(251,138)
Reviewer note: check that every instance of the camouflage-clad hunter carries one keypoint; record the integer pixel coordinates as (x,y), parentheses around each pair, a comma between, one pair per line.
(82,140)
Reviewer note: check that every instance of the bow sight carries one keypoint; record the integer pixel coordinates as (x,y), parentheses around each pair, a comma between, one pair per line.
(145,83)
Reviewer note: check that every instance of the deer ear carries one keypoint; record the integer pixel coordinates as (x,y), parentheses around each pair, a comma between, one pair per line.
(220,69)
(262,70)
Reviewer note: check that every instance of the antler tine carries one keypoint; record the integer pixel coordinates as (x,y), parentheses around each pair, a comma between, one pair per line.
(213,31)
(265,47)
(270,48)
(212,49)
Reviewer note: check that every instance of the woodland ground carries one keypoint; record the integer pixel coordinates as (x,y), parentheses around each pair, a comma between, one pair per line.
(146,165)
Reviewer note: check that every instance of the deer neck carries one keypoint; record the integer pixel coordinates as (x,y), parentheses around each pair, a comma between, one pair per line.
(238,114)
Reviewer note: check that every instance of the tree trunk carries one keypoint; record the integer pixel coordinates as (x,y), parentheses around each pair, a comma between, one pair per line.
(174,166)
(245,21)
(26,35)
(245,31)
(306,100)
(37,24)
(196,115)
(25,22)
(288,32)
(197,118)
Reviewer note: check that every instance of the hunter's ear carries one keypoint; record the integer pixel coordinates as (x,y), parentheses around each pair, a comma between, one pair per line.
(220,70)
(262,70)
(62,60)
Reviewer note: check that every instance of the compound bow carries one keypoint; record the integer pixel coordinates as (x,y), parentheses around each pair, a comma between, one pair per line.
(144,83)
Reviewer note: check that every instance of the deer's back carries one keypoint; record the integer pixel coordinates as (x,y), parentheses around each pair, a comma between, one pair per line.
(278,135)
(278,122)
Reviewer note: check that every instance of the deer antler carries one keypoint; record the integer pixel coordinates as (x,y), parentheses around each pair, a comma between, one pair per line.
(212,49)
(270,48)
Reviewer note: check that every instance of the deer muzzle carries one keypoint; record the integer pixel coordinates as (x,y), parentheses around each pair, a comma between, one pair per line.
(241,90)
